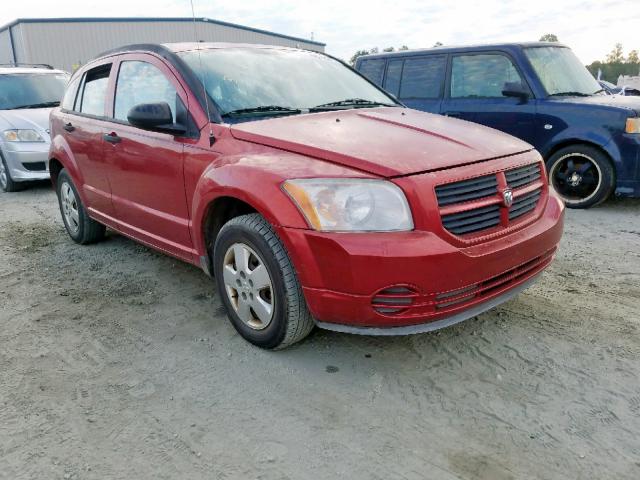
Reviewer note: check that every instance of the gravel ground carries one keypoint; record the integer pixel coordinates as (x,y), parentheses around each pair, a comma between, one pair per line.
(118,362)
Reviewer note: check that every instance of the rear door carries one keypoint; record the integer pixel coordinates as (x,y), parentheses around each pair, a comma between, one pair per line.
(84,123)
(474,93)
(147,168)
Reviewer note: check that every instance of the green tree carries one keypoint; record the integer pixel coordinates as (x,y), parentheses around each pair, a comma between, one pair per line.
(549,37)
(438,44)
(403,47)
(359,53)
(633,57)
(616,55)
(389,49)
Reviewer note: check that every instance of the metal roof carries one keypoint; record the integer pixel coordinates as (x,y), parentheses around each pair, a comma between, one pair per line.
(155,19)
(466,48)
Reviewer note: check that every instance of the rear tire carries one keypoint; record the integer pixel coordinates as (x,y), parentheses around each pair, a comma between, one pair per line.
(583,176)
(258,284)
(7,184)
(81,228)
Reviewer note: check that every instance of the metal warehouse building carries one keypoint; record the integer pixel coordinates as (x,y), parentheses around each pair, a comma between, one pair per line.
(67,43)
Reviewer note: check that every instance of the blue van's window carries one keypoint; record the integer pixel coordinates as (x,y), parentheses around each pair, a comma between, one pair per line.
(481,76)
(373,70)
(392,80)
(422,77)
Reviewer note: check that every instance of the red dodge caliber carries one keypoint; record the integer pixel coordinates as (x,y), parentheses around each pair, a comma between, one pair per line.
(312,196)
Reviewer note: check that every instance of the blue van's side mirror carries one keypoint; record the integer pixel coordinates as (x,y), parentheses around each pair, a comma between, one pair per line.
(515,89)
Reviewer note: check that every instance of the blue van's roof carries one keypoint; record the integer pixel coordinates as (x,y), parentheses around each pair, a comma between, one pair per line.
(463,48)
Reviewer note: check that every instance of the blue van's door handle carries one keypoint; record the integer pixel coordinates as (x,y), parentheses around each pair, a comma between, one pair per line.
(453,114)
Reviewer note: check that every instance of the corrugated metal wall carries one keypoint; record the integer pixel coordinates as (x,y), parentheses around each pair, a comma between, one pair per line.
(6,56)
(68,45)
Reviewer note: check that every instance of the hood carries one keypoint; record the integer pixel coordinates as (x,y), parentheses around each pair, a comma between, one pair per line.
(29,118)
(383,141)
(618,101)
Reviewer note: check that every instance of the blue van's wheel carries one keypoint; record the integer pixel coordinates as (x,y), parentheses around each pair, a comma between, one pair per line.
(583,176)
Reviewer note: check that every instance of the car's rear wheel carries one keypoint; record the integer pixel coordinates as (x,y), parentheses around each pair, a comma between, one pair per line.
(80,227)
(258,284)
(7,184)
(582,175)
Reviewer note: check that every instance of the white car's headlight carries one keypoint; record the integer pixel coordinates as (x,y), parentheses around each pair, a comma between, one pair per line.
(351,204)
(22,136)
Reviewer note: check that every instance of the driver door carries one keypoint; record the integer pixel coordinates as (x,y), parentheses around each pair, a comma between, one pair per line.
(146,169)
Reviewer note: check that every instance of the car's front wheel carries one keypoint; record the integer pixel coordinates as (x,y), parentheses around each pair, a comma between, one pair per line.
(582,175)
(258,284)
(80,227)
(7,184)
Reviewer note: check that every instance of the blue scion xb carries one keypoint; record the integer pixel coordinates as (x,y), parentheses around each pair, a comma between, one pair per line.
(539,92)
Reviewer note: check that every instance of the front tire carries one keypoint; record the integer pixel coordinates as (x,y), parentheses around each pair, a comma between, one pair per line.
(81,228)
(7,184)
(583,176)
(258,284)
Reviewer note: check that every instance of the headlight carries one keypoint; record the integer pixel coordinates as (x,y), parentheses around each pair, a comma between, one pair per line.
(633,125)
(22,136)
(334,204)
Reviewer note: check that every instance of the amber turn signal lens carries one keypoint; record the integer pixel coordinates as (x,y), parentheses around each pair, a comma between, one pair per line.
(633,125)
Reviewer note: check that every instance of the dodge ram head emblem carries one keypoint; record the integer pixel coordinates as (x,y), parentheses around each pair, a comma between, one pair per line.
(507,197)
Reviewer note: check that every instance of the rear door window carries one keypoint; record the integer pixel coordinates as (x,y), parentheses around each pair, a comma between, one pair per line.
(94,91)
(373,70)
(482,76)
(422,78)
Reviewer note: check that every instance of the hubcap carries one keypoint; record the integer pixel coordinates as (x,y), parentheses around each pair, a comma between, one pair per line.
(3,175)
(69,207)
(576,177)
(248,286)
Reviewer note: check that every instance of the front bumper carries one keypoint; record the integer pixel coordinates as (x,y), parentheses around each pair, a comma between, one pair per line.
(345,275)
(26,162)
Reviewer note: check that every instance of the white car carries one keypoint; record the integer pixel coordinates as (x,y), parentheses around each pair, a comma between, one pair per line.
(27,95)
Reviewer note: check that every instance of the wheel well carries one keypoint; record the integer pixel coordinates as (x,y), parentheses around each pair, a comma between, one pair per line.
(55,167)
(568,143)
(218,213)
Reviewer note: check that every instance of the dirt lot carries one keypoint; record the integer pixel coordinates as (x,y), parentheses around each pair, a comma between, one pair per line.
(118,362)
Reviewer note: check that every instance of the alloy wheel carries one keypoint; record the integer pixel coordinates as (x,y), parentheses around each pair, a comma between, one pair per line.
(3,175)
(249,286)
(576,177)
(70,207)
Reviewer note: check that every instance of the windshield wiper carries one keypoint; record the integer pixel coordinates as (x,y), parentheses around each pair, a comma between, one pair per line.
(37,105)
(351,102)
(264,109)
(570,94)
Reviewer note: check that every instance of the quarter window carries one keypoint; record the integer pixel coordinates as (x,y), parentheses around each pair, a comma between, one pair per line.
(373,70)
(141,82)
(422,78)
(94,90)
(482,76)
(392,80)
(69,99)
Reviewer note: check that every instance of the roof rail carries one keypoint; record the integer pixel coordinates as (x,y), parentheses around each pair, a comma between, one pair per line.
(35,65)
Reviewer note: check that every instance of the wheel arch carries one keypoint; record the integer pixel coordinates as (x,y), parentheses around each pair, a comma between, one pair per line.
(575,141)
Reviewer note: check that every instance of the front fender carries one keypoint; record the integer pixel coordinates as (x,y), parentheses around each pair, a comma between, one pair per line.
(256,179)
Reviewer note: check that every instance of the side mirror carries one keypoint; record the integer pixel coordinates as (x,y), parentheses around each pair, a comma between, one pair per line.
(515,89)
(156,117)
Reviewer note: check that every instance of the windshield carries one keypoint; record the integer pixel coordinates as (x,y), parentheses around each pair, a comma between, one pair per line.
(31,90)
(248,78)
(560,71)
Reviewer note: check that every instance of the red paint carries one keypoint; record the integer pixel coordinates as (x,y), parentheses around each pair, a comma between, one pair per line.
(157,189)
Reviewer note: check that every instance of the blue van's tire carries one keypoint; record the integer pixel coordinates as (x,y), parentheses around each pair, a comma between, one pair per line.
(583,176)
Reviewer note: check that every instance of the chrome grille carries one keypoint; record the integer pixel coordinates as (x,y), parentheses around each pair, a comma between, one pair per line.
(466,190)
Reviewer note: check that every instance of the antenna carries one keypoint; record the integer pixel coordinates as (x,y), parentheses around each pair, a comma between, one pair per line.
(202,74)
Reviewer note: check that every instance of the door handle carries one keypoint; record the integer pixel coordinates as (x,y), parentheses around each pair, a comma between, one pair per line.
(111,137)
(68,127)
(453,114)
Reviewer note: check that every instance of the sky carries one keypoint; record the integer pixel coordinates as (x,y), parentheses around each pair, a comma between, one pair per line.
(591,28)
